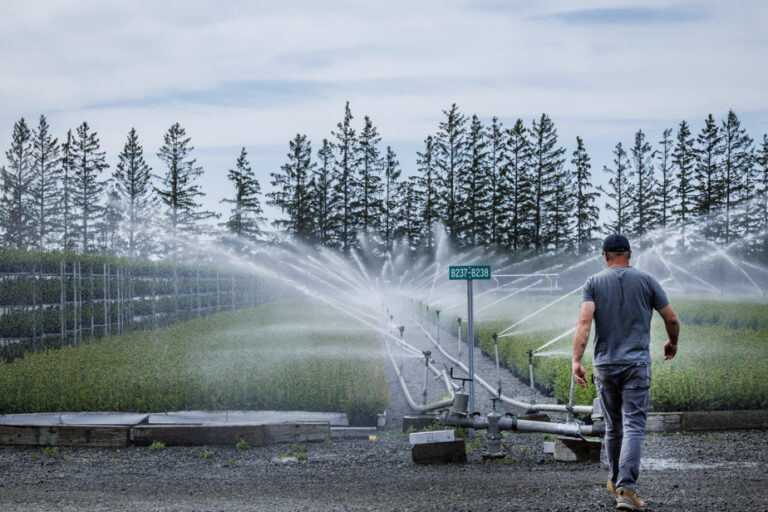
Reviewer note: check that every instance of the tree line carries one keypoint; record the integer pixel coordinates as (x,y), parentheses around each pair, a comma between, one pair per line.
(60,195)
(516,189)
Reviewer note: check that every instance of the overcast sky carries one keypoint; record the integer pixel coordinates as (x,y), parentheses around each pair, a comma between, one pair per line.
(254,73)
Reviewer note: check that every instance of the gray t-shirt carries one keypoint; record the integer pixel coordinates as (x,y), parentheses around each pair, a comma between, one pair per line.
(624,300)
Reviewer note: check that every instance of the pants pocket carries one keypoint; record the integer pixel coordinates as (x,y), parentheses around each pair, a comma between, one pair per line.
(639,377)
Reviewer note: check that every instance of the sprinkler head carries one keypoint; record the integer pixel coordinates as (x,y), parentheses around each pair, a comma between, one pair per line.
(459,319)
(401,329)
(391,317)
(495,337)
(426,353)
(437,312)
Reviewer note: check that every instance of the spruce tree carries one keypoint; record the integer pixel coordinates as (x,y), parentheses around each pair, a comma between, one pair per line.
(391,198)
(451,163)
(293,190)
(762,191)
(683,158)
(498,183)
(560,206)
(88,163)
(246,214)
(132,181)
(474,190)
(619,192)
(178,190)
(344,179)
(737,151)
(67,193)
(367,206)
(519,201)
(665,190)
(410,214)
(546,162)
(324,206)
(644,210)
(45,193)
(708,181)
(108,226)
(587,213)
(427,184)
(16,204)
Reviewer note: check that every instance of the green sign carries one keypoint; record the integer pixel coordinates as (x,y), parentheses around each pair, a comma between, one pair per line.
(466,272)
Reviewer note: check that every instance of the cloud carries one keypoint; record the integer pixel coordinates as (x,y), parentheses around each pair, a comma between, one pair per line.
(629,15)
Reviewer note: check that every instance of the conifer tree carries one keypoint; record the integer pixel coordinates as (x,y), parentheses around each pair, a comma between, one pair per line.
(587,213)
(737,151)
(293,190)
(367,205)
(45,194)
(132,184)
(498,183)
(88,163)
(560,206)
(178,189)
(683,159)
(410,213)
(644,210)
(762,190)
(246,214)
(324,207)
(619,193)
(427,184)
(451,163)
(66,200)
(391,197)
(108,226)
(16,206)
(665,190)
(345,179)
(708,181)
(519,202)
(472,184)
(546,161)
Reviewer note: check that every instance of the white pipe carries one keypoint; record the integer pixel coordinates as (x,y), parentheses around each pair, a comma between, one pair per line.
(580,409)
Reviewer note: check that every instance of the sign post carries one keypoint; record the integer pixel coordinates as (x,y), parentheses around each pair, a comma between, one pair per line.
(470,273)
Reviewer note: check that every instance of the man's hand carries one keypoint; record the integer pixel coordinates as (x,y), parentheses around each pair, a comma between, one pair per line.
(579,373)
(670,350)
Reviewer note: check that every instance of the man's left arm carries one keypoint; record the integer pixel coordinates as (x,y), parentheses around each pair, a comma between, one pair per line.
(580,340)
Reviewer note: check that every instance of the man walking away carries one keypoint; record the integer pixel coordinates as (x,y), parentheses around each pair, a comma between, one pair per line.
(621,299)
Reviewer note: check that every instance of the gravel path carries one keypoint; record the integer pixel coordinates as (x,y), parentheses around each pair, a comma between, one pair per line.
(716,471)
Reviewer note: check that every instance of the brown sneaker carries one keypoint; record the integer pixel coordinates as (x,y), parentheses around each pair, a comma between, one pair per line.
(628,500)
(610,488)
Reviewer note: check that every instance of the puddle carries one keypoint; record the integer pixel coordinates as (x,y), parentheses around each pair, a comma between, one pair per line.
(662,464)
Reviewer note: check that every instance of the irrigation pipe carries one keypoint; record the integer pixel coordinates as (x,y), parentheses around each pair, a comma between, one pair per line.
(580,409)
(442,404)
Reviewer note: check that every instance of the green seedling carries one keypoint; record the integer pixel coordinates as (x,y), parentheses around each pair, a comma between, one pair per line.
(157,446)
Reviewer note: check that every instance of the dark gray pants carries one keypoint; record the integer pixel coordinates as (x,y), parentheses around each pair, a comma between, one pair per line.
(624,392)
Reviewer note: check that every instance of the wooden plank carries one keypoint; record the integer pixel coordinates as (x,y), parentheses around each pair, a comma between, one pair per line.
(299,432)
(664,422)
(725,420)
(198,435)
(439,453)
(65,435)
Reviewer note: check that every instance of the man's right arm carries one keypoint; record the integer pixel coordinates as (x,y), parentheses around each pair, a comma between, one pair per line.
(672,324)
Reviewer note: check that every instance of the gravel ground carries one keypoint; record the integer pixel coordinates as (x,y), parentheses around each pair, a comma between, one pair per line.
(713,471)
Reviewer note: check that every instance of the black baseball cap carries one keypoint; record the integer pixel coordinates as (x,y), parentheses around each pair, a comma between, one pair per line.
(615,243)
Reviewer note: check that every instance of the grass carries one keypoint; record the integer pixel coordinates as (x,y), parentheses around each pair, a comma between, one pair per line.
(284,356)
